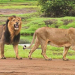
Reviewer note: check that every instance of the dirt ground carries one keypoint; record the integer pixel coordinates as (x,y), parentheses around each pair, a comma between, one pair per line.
(17,11)
(12,66)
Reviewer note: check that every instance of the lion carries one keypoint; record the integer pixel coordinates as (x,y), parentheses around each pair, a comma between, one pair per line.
(59,37)
(10,34)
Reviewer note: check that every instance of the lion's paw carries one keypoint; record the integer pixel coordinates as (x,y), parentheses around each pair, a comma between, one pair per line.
(65,59)
(3,57)
(30,58)
(18,58)
(49,59)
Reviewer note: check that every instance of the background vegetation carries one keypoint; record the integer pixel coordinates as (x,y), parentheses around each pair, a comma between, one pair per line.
(16,0)
(55,8)
(33,20)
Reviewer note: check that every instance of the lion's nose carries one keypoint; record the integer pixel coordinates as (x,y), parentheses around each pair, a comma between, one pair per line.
(16,23)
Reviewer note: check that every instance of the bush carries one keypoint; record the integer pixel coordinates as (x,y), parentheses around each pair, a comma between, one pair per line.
(56,8)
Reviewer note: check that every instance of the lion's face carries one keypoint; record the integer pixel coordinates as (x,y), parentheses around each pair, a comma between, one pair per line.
(14,23)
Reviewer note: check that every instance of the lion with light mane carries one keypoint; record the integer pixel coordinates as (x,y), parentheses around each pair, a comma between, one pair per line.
(60,37)
(10,34)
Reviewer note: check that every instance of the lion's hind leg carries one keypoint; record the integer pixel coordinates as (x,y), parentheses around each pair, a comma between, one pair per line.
(37,43)
(65,53)
(44,46)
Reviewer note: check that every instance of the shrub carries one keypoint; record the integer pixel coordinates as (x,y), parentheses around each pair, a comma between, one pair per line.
(66,21)
(50,22)
(56,8)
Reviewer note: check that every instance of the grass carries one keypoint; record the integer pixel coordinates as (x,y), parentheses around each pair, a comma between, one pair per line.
(16,0)
(25,39)
(34,23)
(17,7)
(53,52)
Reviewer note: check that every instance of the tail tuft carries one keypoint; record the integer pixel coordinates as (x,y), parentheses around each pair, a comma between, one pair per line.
(24,47)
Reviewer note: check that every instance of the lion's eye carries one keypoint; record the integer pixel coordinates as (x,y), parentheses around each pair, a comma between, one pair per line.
(13,20)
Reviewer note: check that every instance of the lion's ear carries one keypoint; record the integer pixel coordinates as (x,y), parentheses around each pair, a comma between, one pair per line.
(19,18)
(10,18)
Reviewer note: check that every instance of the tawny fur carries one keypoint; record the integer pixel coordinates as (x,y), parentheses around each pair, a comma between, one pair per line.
(10,35)
(59,37)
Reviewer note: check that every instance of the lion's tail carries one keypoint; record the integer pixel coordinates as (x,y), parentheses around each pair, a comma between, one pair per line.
(34,36)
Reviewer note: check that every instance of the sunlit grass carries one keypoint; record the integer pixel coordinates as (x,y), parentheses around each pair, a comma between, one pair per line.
(18,7)
(51,52)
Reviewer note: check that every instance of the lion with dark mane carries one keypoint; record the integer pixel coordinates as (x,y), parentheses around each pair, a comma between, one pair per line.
(10,34)
(54,36)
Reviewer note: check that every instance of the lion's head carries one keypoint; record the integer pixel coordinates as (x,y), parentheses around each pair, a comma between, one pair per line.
(13,25)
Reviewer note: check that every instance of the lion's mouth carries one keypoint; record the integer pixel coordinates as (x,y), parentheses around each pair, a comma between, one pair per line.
(16,26)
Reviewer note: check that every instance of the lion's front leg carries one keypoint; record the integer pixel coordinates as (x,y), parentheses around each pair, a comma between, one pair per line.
(16,51)
(2,51)
(65,53)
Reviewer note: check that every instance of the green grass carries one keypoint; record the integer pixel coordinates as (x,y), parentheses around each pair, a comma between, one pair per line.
(25,39)
(6,1)
(17,7)
(34,23)
(53,52)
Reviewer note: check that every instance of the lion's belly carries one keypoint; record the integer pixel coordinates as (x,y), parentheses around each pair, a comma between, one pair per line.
(60,40)
(60,45)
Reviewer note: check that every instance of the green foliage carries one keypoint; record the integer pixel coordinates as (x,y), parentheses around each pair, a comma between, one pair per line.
(57,8)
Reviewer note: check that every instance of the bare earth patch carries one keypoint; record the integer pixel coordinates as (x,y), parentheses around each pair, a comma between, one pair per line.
(11,66)
(16,11)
